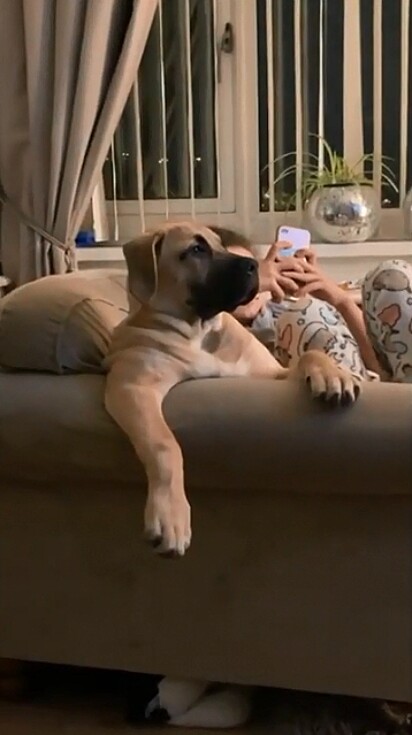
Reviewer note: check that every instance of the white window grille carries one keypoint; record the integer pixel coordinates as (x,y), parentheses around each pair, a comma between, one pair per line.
(173,152)
(203,128)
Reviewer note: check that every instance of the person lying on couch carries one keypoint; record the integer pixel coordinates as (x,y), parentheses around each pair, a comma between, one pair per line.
(374,342)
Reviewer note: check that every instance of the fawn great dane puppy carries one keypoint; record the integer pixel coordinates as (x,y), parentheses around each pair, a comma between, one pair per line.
(186,284)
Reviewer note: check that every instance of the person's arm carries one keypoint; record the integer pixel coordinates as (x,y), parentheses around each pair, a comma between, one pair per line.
(248,312)
(274,281)
(315,283)
(276,273)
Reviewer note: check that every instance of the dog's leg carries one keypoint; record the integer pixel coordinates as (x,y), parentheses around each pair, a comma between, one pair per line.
(327,380)
(137,409)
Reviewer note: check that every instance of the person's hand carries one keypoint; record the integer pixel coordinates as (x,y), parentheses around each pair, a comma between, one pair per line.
(312,281)
(276,274)
(248,312)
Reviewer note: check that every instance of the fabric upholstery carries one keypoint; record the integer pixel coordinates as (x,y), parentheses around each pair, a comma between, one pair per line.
(300,571)
(235,434)
(62,324)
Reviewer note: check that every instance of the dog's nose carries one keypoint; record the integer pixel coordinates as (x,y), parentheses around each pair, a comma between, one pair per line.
(249,266)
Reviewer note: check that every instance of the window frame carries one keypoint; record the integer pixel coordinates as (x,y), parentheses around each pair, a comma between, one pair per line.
(238,151)
(262,226)
(155,209)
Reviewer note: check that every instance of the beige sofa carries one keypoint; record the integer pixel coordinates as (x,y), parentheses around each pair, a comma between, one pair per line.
(300,573)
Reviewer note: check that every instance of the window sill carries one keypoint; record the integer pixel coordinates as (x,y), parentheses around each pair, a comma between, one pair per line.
(381,249)
(353,260)
(100,253)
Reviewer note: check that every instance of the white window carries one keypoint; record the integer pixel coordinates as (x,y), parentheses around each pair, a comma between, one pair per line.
(228,86)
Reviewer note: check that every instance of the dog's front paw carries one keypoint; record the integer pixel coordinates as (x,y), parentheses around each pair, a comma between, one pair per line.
(333,384)
(167,522)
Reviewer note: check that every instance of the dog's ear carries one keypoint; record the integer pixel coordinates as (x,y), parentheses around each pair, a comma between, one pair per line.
(142,257)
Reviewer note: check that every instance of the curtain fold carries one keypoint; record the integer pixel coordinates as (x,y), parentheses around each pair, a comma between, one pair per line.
(66,70)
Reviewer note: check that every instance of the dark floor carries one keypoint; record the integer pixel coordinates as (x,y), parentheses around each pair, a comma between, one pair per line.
(66,701)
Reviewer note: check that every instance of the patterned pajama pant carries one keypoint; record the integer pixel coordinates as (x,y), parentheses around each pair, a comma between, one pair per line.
(387,308)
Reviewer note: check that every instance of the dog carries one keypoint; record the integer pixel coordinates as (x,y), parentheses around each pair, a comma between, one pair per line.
(187,284)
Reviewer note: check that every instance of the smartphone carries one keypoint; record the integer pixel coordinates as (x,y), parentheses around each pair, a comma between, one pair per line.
(298,238)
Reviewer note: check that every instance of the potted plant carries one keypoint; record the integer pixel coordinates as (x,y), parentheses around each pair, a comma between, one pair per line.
(339,200)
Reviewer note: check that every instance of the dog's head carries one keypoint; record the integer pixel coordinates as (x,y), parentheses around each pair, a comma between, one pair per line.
(183,270)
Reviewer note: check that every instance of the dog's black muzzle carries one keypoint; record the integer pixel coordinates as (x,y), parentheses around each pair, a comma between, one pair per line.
(231,281)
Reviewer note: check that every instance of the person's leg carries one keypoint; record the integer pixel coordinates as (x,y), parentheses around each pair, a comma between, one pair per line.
(387,306)
(313,324)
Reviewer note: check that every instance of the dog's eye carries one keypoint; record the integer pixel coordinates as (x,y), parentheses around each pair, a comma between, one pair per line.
(197,248)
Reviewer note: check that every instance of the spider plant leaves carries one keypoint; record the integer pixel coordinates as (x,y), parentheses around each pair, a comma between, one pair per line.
(331,169)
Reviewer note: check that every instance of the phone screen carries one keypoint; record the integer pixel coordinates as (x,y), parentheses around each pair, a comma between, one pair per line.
(298,238)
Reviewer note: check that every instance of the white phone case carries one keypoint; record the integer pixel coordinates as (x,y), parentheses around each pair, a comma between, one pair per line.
(298,238)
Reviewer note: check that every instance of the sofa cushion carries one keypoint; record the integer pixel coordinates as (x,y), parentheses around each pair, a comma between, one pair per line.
(62,324)
(238,435)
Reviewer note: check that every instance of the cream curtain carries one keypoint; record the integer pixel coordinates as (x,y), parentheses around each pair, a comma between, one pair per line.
(66,69)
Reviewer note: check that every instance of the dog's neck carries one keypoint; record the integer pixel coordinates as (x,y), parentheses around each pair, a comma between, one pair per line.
(188,327)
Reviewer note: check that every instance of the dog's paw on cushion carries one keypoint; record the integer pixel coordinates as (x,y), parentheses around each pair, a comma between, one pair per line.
(62,324)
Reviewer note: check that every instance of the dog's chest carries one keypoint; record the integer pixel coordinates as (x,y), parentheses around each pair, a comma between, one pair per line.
(209,360)
(207,365)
